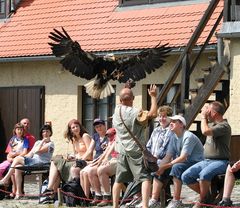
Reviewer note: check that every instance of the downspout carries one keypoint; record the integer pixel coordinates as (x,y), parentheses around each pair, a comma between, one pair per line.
(219,49)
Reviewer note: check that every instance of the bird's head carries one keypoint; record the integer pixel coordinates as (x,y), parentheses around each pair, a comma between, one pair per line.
(109,57)
(130,84)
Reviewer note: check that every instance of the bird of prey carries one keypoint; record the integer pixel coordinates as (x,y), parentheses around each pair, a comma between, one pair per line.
(101,69)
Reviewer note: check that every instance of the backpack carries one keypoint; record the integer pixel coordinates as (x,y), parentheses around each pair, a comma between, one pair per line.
(73,188)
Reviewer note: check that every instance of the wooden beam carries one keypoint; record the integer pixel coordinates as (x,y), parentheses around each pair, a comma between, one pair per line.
(203,94)
(208,13)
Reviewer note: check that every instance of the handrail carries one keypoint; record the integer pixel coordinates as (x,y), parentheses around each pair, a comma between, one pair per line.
(206,42)
(212,6)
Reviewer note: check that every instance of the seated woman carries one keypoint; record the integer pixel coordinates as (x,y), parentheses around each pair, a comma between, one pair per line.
(60,167)
(98,144)
(41,153)
(105,167)
(232,173)
(18,145)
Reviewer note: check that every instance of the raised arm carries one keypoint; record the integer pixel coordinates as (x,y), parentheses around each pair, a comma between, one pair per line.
(206,130)
(42,147)
(152,91)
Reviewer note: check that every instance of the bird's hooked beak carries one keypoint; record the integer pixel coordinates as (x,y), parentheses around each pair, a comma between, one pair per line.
(109,57)
(130,83)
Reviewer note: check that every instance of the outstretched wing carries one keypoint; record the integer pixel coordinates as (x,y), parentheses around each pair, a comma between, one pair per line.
(77,61)
(146,61)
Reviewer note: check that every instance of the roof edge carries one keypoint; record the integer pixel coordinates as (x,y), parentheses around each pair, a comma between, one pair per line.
(174,51)
(230,30)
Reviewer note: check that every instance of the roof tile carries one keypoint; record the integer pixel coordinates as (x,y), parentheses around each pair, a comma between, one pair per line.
(99,25)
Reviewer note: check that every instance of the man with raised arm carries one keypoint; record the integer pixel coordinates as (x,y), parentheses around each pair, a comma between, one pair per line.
(130,165)
(216,151)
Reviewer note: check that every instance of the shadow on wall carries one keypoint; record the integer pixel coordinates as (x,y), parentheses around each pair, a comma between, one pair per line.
(2,139)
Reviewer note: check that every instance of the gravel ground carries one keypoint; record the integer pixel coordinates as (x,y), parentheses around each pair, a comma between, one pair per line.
(32,190)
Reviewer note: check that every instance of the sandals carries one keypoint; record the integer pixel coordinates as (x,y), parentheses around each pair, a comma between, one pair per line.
(18,197)
(12,195)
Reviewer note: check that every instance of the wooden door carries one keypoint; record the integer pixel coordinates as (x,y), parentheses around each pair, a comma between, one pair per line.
(17,103)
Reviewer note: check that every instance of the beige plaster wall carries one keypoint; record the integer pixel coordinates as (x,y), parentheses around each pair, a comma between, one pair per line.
(62,88)
(233,113)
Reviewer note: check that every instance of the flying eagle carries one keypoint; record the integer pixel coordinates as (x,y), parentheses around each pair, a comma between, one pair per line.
(88,66)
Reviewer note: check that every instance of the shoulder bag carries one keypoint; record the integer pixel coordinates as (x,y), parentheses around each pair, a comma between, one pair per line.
(149,161)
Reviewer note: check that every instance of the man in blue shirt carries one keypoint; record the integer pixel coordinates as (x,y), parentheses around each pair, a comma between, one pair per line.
(184,151)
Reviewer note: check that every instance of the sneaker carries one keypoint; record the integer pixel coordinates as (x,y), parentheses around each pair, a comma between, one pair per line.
(139,205)
(225,203)
(136,201)
(175,204)
(46,200)
(47,192)
(97,199)
(107,201)
(153,203)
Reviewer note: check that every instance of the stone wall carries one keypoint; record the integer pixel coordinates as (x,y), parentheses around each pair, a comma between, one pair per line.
(233,113)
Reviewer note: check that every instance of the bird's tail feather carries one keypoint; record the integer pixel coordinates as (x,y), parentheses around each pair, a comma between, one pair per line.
(97,93)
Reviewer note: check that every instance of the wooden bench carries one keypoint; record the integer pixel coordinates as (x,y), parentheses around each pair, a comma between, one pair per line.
(41,170)
(165,194)
(216,189)
(214,196)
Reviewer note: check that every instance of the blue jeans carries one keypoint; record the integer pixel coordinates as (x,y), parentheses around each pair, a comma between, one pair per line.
(179,168)
(204,170)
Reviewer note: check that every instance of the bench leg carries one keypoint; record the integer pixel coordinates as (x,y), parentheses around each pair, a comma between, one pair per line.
(165,193)
(40,178)
(163,198)
(216,190)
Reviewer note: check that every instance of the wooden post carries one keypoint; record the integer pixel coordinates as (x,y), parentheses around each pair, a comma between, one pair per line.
(185,81)
(162,198)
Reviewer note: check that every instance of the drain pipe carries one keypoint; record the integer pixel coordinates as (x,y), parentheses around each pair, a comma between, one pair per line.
(220,48)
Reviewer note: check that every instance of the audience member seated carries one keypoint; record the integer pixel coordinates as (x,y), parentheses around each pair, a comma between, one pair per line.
(18,145)
(31,139)
(157,145)
(105,167)
(232,173)
(183,151)
(216,152)
(60,167)
(98,144)
(41,153)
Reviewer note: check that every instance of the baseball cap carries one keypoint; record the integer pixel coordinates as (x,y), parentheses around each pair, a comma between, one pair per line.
(180,118)
(98,121)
